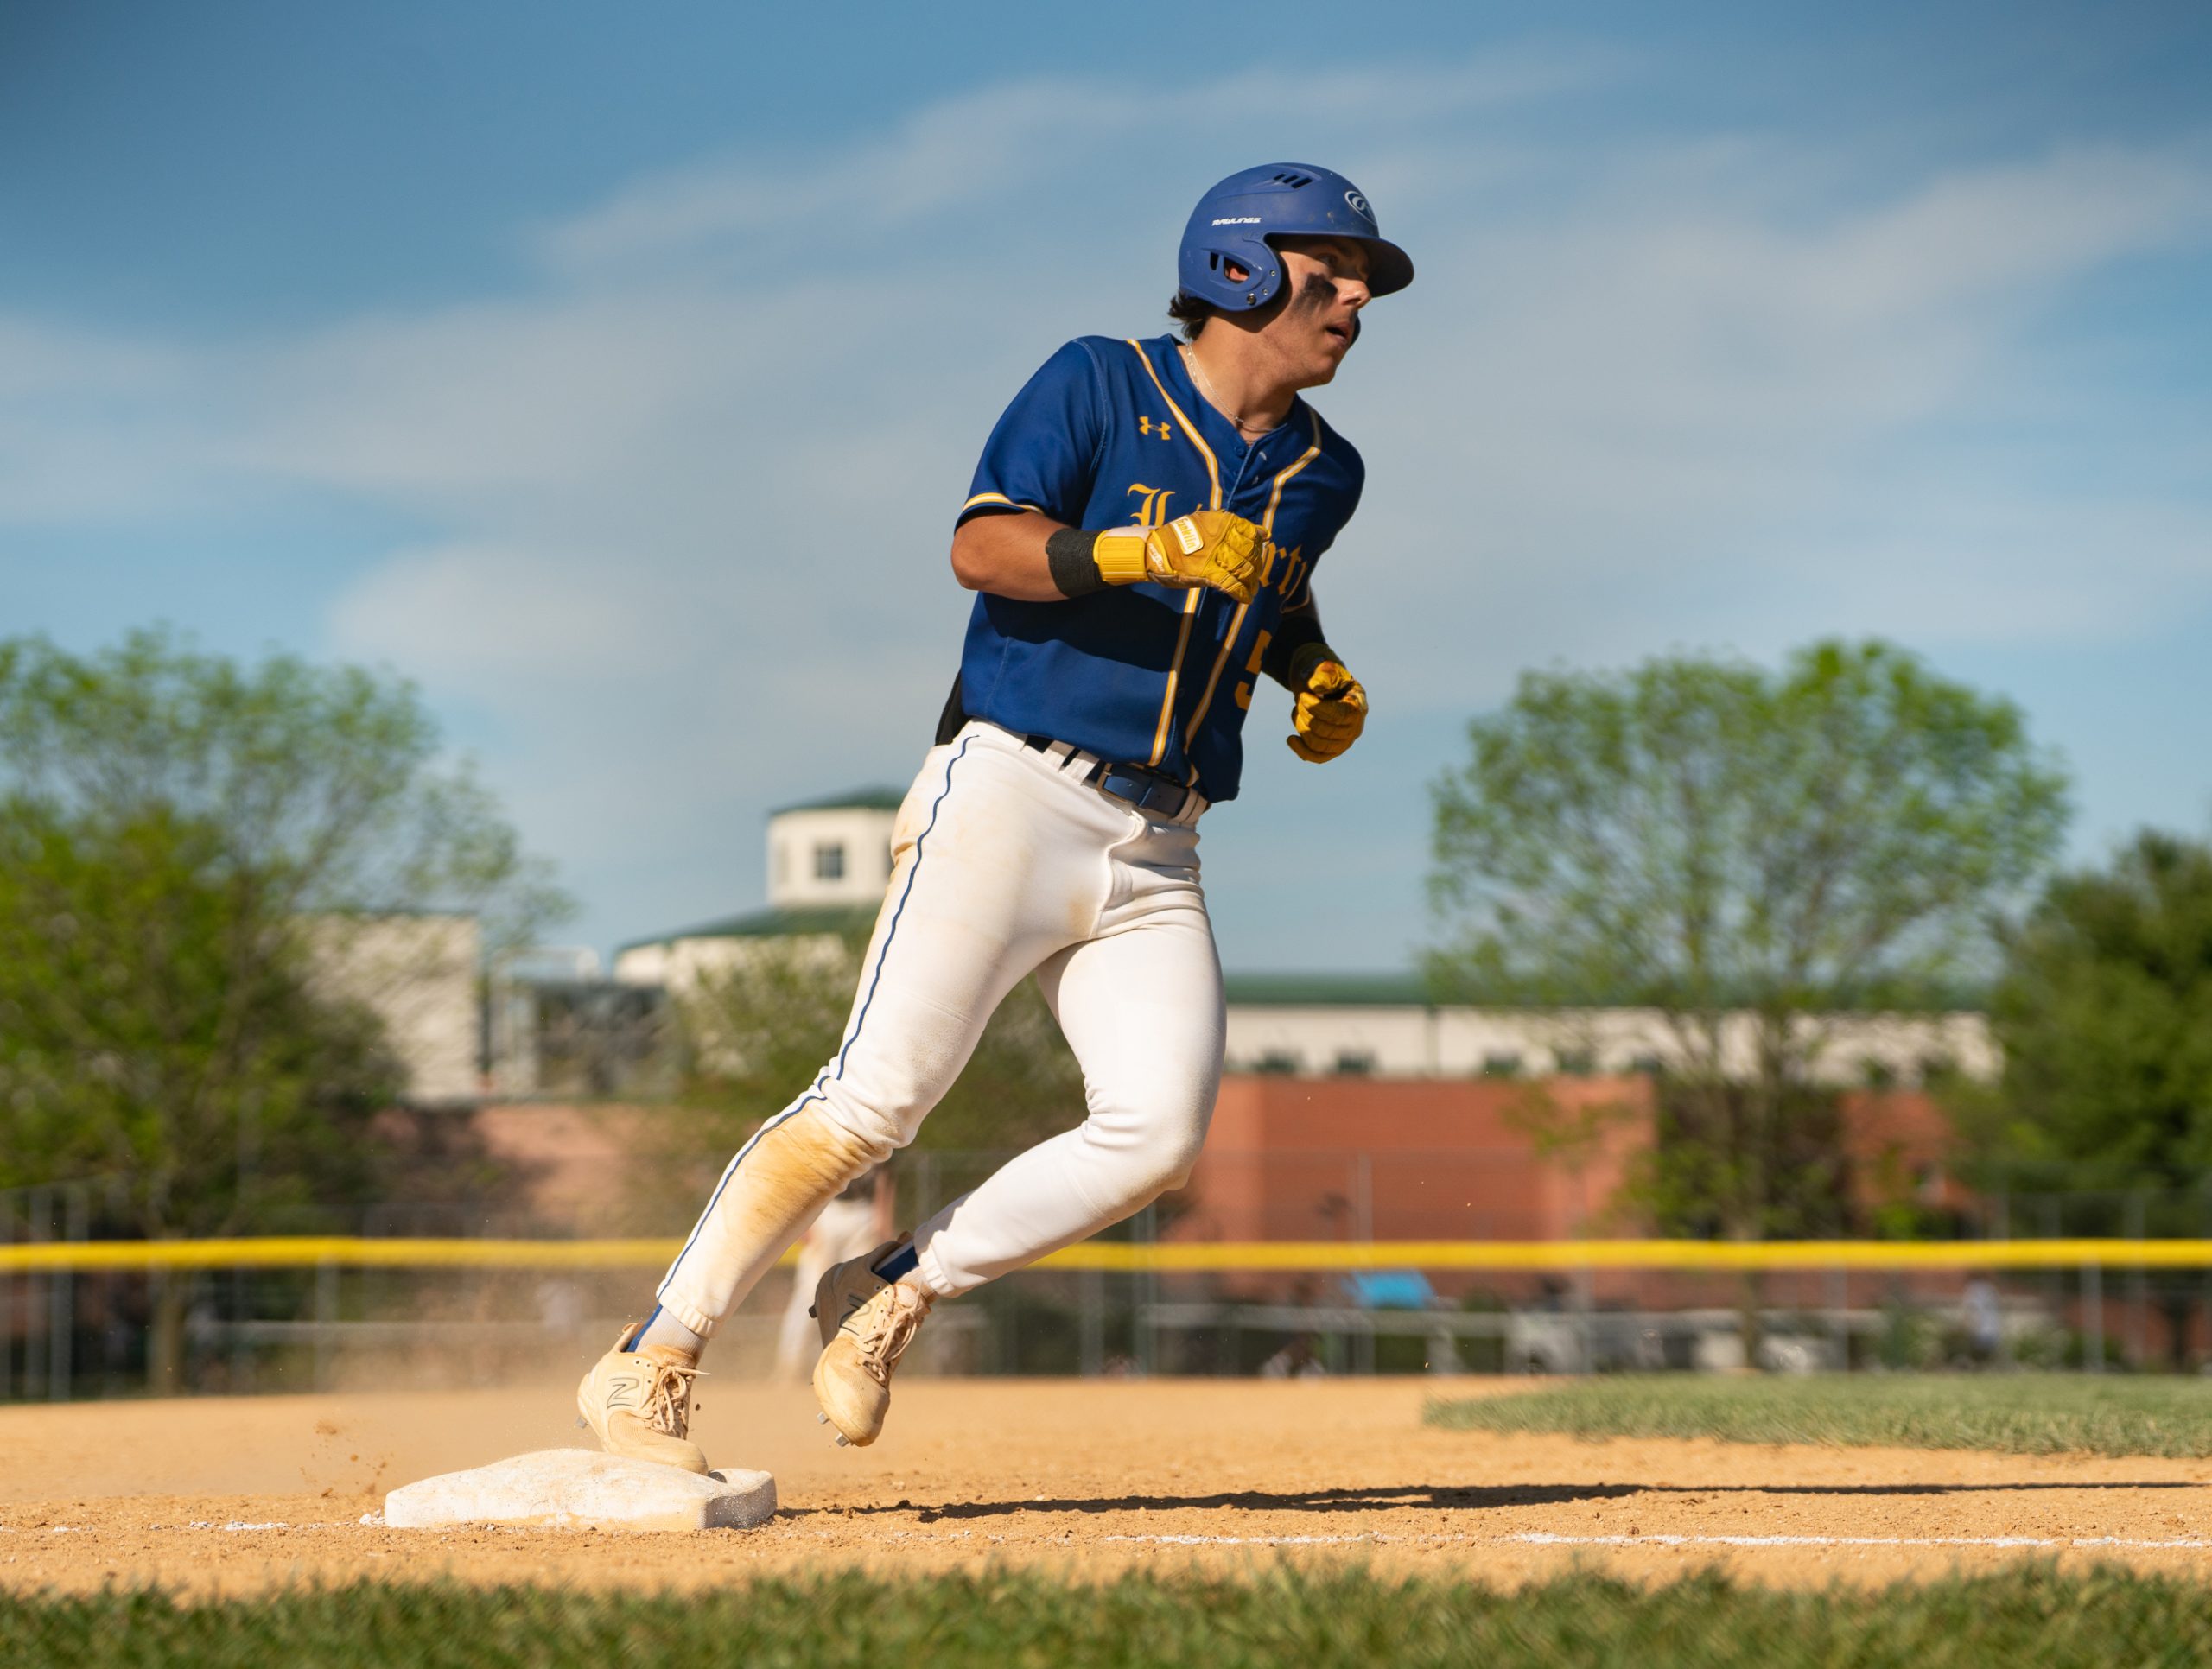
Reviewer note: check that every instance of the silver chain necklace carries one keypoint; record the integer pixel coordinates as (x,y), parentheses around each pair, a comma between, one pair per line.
(1206,388)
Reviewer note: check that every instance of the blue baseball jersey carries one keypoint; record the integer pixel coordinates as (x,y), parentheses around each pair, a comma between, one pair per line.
(1112,433)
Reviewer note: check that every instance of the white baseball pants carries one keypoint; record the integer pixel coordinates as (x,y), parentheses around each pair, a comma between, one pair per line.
(1004,863)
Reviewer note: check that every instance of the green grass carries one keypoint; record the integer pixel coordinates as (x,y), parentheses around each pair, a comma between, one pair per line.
(2028,1616)
(2015,1414)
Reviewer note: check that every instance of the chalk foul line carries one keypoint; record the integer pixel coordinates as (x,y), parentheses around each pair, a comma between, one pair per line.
(1372,1538)
(1547,1539)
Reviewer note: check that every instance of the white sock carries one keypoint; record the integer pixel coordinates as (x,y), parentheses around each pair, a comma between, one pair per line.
(663,1328)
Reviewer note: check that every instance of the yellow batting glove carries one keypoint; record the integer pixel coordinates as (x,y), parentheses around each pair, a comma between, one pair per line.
(1206,547)
(1329,708)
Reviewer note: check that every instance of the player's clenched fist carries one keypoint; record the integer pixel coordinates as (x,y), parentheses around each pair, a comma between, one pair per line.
(1329,707)
(1206,547)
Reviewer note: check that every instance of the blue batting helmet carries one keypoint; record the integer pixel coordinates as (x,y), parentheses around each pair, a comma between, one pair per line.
(1238,217)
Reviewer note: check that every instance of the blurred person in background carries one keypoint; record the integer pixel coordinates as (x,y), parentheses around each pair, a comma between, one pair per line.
(861,1217)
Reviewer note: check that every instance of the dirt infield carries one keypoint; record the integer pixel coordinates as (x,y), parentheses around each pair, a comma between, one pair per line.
(237,1495)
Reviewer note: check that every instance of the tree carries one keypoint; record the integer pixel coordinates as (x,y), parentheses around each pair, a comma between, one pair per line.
(189,849)
(2105,1012)
(1746,853)
(133,1042)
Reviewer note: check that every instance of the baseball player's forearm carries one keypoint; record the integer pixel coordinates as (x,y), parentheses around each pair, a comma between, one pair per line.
(1329,706)
(1297,629)
(1005,555)
(1029,556)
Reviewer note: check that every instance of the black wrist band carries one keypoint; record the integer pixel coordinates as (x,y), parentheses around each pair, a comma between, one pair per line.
(1075,570)
(1297,629)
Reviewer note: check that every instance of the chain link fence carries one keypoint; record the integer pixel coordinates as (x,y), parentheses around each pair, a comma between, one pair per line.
(338,1321)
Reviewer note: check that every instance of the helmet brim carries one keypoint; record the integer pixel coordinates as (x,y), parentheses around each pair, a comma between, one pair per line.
(1389,269)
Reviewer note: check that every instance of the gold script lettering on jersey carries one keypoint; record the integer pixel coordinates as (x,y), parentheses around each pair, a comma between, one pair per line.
(1153,512)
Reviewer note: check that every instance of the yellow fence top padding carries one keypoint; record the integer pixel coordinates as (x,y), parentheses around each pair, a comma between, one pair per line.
(1127,1257)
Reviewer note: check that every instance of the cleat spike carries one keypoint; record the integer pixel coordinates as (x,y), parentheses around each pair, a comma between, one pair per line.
(821,1420)
(842,1444)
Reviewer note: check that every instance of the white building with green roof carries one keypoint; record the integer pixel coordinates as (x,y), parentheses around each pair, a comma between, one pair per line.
(828,863)
(1390,1025)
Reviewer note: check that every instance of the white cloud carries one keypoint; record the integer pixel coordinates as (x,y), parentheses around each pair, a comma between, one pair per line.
(87,427)
(1048,157)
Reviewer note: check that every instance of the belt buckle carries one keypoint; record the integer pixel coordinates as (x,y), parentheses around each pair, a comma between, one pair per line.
(1120,783)
(1147,784)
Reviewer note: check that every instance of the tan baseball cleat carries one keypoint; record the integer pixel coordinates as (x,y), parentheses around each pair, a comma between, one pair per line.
(866,1323)
(637,1404)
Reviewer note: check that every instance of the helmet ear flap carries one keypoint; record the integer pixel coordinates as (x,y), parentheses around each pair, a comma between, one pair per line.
(1266,277)
(1205,273)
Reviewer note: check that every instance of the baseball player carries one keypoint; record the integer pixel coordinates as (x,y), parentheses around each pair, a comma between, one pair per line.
(1142,535)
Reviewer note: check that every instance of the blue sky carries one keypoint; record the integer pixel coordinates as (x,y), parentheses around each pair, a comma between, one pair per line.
(614,375)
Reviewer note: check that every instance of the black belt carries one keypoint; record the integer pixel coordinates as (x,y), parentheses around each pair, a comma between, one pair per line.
(1138,786)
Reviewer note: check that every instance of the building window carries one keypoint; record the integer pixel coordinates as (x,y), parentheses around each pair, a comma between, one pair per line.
(830,861)
(1647,1066)
(1576,1062)
(1277,1061)
(1502,1065)
(1355,1063)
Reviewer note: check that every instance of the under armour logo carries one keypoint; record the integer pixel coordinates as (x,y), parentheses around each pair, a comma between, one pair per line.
(1146,426)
